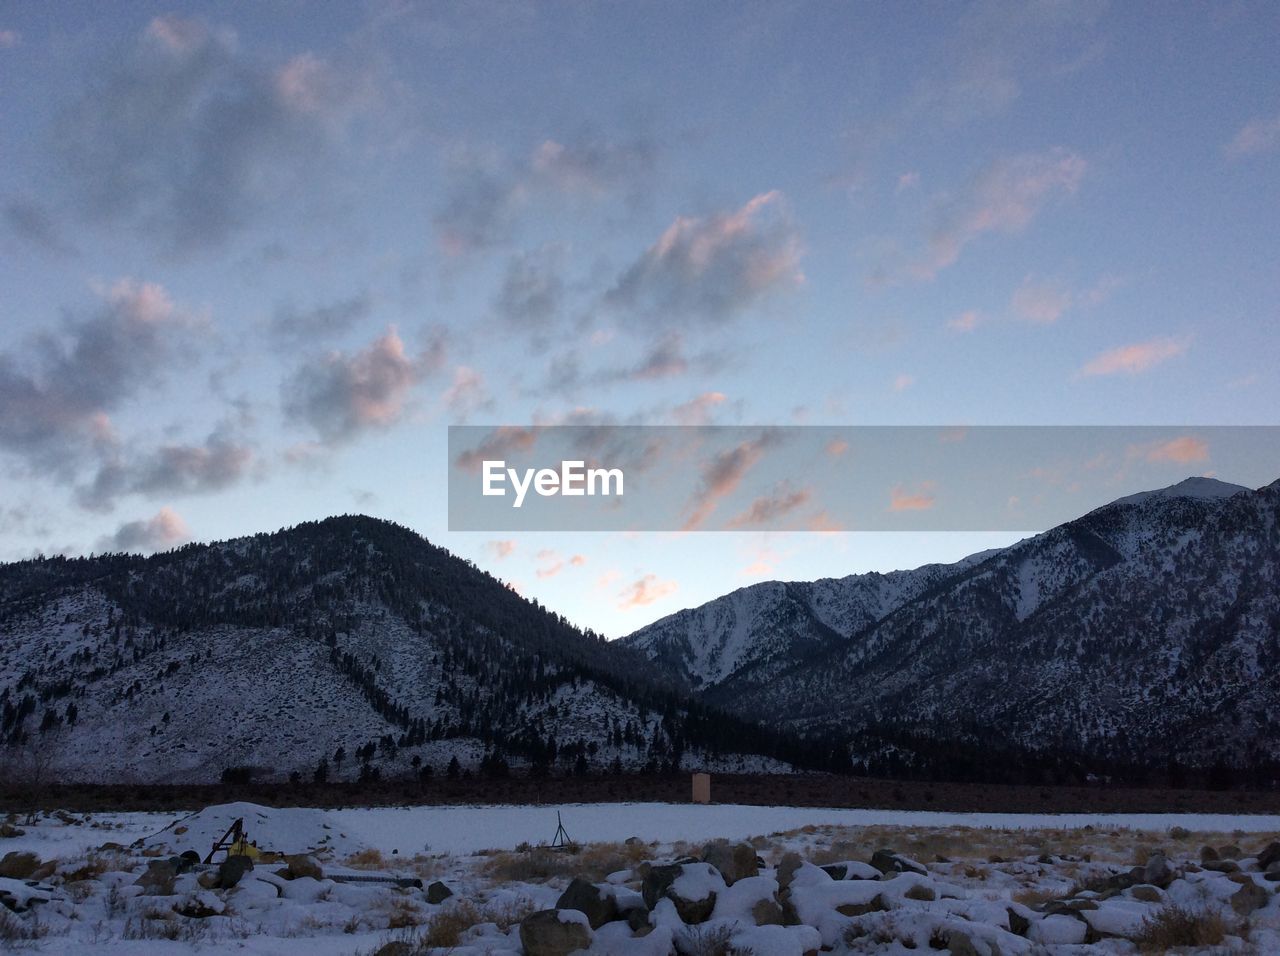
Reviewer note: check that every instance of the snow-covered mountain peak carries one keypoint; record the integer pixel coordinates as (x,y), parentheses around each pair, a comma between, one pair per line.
(1202,488)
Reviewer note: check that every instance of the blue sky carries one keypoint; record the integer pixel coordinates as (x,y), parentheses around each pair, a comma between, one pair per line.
(257,257)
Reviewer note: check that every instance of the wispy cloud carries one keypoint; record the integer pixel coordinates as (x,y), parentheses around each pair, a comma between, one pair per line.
(722,475)
(645,591)
(767,509)
(1041,301)
(500,549)
(1003,198)
(921,498)
(1181,451)
(1135,358)
(1260,135)
(713,268)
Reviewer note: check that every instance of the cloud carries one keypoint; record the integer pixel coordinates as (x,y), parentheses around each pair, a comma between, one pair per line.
(342,395)
(1003,198)
(466,394)
(498,445)
(769,508)
(501,549)
(966,321)
(1182,451)
(9,39)
(903,381)
(922,499)
(532,290)
(1260,135)
(31,222)
(164,530)
(218,463)
(1039,301)
(644,592)
(1135,358)
(186,139)
(722,475)
(697,411)
(486,193)
(304,326)
(836,448)
(713,268)
(58,394)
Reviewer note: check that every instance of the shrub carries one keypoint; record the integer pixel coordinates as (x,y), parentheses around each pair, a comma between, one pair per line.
(1176,925)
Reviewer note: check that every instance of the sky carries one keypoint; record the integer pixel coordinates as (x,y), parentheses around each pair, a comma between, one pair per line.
(256,258)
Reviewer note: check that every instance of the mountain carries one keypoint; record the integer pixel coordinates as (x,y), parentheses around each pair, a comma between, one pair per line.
(1143,633)
(351,641)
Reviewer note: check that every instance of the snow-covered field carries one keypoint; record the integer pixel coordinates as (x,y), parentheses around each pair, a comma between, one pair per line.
(1022,883)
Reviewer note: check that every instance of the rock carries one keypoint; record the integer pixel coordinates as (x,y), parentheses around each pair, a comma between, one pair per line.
(1179,833)
(657,880)
(196,908)
(1248,898)
(1269,855)
(1146,893)
(158,878)
(924,894)
(232,870)
(396,947)
(545,933)
(1019,925)
(1208,854)
(598,906)
(886,861)
(1222,866)
(437,892)
(874,905)
(1157,872)
(787,867)
(633,841)
(962,944)
(767,913)
(735,861)
(44,871)
(638,921)
(19,865)
(208,879)
(1230,852)
(304,864)
(9,830)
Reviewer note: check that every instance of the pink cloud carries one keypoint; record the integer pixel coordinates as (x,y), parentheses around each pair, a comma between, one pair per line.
(837,447)
(903,381)
(497,445)
(578,560)
(698,411)
(9,39)
(501,549)
(922,499)
(966,321)
(644,592)
(1180,451)
(1135,358)
(769,508)
(1260,135)
(722,475)
(1040,302)
(1005,198)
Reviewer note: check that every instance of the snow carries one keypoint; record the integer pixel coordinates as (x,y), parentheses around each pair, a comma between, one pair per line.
(1204,489)
(470,829)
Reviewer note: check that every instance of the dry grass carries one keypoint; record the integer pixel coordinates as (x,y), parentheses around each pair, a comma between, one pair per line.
(369,859)
(1035,895)
(404,913)
(1177,926)
(445,928)
(592,861)
(98,862)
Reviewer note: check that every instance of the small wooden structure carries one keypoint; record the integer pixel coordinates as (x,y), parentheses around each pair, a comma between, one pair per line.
(702,788)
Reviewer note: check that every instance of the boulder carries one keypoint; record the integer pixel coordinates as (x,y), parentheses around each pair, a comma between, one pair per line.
(1222,866)
(657,880)
(158,878)
(1230,852)
(921,893)
(962,944)
(19,864)
(232,870)
(437,892)
(1208,854)
(787,867)
(397,947)
(1019,925)
(303,864)
(638,922)
(1146,893)
(1157,871)
(875,905)
(1269,855)
(767,913)
(887,861)
(553,933)
(9,830)
(597,905)
(735,861)
(1248,898)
